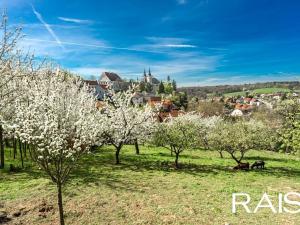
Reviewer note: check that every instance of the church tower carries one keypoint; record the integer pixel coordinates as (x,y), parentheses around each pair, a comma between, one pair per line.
(149,76)
(145,76)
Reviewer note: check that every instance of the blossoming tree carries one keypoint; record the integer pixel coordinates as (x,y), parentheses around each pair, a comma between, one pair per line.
(14,64)
(125,122)
(57,118)
(204,126)
(237,138)
(177,134)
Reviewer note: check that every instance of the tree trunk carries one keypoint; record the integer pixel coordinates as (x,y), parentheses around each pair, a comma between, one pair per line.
(221,155)
(118,154)
(15,147)
(1,148)
(25,149)
(7,143)
(137,149)
(21,153)
(176,160)
(235,159)
(60,204)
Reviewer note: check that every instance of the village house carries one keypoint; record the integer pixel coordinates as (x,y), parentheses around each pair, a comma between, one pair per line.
(138,99)
(255,102)
(167,108)
(96,88)
(237,113)
(114,81)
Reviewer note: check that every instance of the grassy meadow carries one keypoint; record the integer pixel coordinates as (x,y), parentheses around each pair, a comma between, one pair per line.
(146,189)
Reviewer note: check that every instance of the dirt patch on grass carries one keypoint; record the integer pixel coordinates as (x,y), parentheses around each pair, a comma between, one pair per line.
(29,211)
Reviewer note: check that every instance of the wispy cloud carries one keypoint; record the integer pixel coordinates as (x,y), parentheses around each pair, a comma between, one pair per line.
(74,20)
(167,42)
(181,2)
(132,67)
(91,45)
(47,26)
(180,46)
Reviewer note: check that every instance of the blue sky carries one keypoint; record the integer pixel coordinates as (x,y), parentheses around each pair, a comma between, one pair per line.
(196,42)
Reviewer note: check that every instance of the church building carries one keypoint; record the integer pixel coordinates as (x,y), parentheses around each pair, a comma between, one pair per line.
(148,78)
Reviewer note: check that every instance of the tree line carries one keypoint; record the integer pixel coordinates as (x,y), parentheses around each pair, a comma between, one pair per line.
(219,90)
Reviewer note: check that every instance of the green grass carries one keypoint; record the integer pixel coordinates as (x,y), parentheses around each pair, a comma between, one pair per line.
(238,93)
(259,91)
(146,189)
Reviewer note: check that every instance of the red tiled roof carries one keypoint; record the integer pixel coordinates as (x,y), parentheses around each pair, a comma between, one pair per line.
(243,106)
(173,113)
(154,98)
(91,82)
(112,76)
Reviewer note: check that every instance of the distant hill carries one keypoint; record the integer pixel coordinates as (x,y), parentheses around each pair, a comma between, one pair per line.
(259,91)
(230,90)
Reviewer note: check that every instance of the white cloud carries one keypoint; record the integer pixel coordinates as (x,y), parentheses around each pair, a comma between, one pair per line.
(85,44)
(131,67)
(166,40)
(180,46)
(160,44)
(47,26)
(74,20)
(87,55)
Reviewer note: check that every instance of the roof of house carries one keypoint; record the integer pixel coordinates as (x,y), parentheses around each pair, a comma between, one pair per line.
(253,100)
(111,76)
(138,95)
(243,107)
(247,99)
(91,82)
(154,98)
(155,81)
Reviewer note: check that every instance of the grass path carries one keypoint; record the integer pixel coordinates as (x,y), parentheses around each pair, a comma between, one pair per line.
(146,189)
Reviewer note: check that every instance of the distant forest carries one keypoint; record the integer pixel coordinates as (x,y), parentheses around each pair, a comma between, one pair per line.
(219,90)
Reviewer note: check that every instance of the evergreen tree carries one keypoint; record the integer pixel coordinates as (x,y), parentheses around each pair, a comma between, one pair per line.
(148,87)
(168,79)
(161,88)
(142,87)
(183,100)
(174,85)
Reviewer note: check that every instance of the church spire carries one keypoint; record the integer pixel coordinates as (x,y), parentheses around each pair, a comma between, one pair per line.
(149,72)
(145,72)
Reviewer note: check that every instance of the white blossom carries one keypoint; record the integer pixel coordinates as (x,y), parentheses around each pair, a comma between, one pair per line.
(125,121)
(57,116)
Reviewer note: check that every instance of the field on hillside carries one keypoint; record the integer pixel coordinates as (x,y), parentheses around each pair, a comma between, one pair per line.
(259,91)
(146,189)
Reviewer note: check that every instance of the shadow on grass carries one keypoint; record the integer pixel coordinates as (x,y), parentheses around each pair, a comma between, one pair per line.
(99,168)
(279,172)
(266,159)
(168,154)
